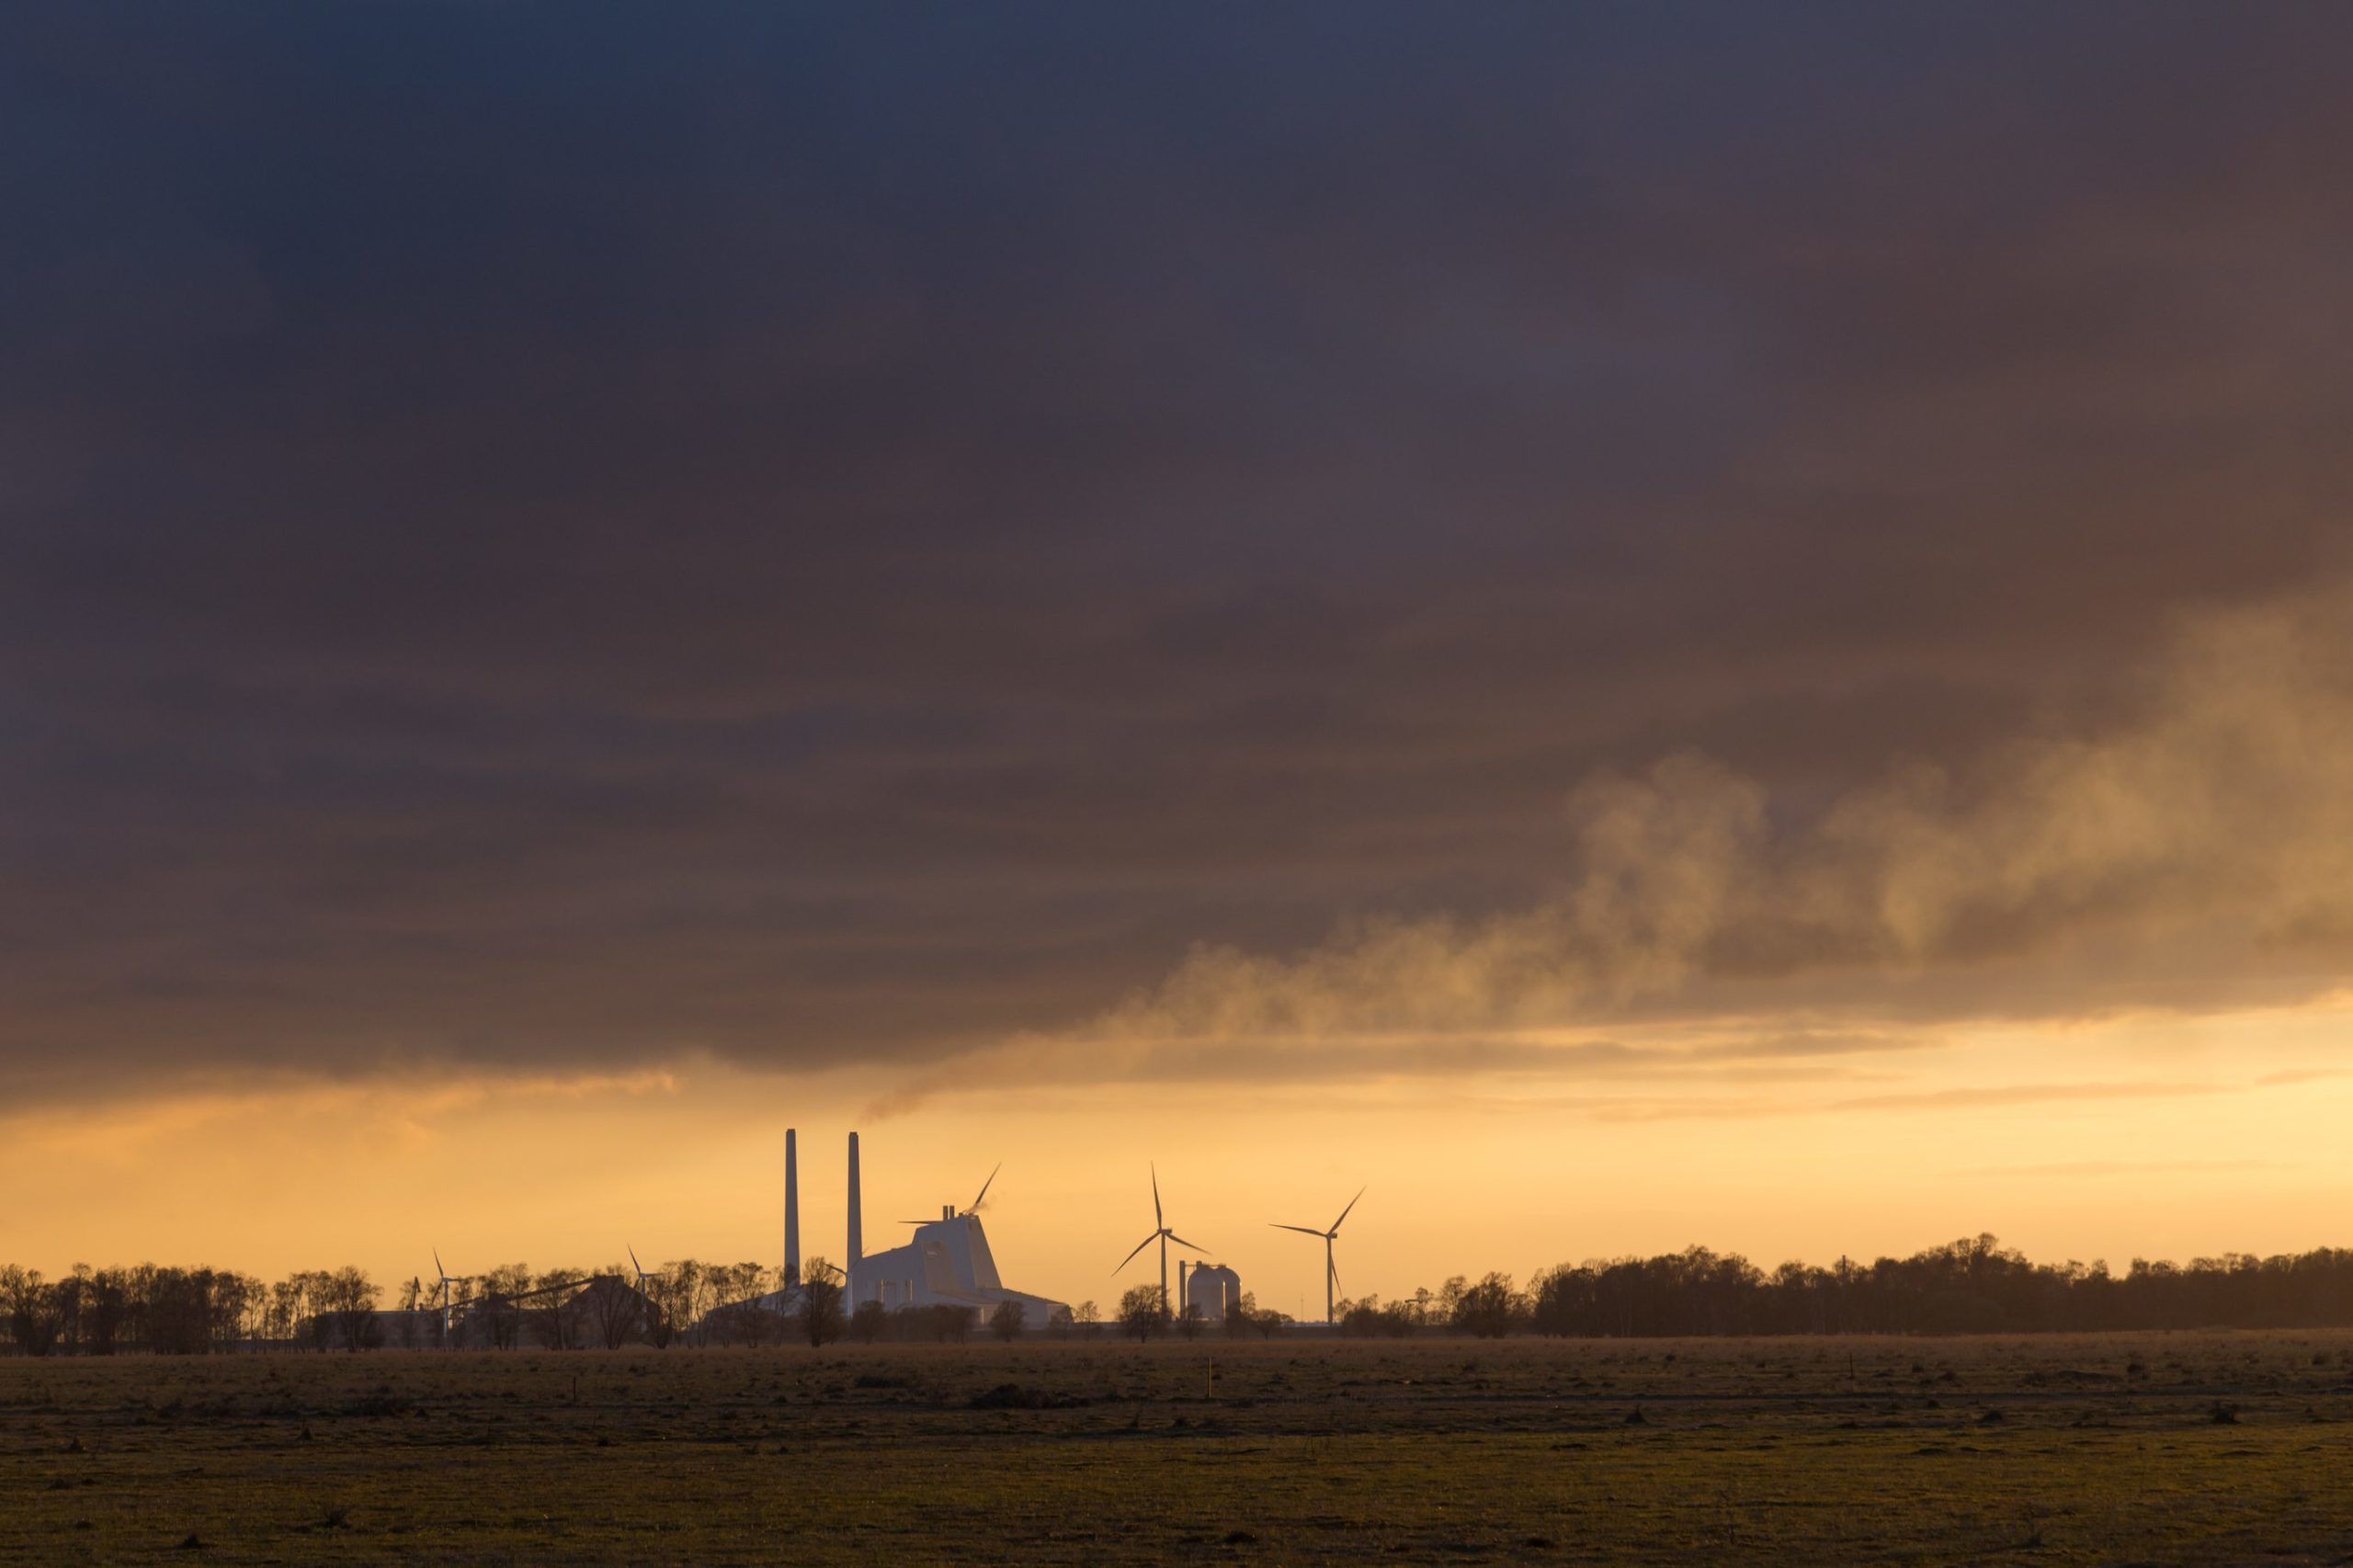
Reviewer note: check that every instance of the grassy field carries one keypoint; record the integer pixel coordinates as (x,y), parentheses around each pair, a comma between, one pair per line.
(2203,1448)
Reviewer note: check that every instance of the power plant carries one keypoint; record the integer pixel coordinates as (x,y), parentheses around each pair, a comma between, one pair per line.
(946,1263)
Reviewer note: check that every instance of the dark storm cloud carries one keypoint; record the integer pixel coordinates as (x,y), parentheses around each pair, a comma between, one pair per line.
(575,534)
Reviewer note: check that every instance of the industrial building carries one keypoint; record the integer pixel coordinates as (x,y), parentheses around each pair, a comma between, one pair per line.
(1213,1290)
(946,1262)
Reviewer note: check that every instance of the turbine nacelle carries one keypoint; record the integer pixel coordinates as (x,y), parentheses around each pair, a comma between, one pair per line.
(1156,1235)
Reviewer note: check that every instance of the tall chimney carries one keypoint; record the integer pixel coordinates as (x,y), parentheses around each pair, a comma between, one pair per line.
(792,1211)
(857,1228)
(1181,1297)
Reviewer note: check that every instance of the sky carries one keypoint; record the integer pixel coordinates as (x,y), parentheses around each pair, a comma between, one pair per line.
(1631,625)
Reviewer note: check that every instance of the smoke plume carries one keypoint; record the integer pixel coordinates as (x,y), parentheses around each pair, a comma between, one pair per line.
(2218,798)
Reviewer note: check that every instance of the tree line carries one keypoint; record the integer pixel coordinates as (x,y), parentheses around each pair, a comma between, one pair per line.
(170,1311)
(1972,1286)
(173,1311)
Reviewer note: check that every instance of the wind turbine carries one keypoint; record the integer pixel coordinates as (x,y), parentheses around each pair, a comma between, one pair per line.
(1331,1269)
(443,1276)
(646,1302)
(966,1213)
(1161,1234)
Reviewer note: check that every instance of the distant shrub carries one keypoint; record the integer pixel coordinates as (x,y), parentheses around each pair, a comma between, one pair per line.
(869,1322)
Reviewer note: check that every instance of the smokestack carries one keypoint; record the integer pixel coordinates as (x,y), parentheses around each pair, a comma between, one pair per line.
(857,1229)
(1181,1297)
(792,1210)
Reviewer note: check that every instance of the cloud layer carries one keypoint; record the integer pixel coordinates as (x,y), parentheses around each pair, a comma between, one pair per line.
(541,542)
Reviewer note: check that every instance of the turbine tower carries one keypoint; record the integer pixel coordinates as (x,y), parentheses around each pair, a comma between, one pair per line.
(1161,1234)
(1331,1269)
(442,1274)
(649,1311)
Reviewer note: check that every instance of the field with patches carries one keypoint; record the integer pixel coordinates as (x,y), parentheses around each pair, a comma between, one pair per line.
(2182,1447)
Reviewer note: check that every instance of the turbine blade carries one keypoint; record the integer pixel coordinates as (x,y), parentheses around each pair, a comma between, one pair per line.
(984,1189)
(1302,1230)
(1183,1243)
(634,1264)
(1344,1213)
(1334,1270)
(1139,1246)
(436,1263)
(1157,1216)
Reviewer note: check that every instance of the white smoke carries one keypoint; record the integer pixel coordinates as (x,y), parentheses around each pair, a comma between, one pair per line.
(2223,797)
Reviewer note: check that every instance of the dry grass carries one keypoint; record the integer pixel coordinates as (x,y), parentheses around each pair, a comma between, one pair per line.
(2059,1449)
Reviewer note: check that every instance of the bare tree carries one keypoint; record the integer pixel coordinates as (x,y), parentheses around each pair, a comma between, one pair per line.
(1490,1309)
(285,1308)
(35,1319)
(106,1303)
(502,1312)
(1007,1321)
(556,1328)
(349,1296)
(821,1302)
(615,1307)
(663,1318)
(1143,1312)
(761,1322)
(682,1291)
(237,1302)
(315,1288)
(742,1319)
